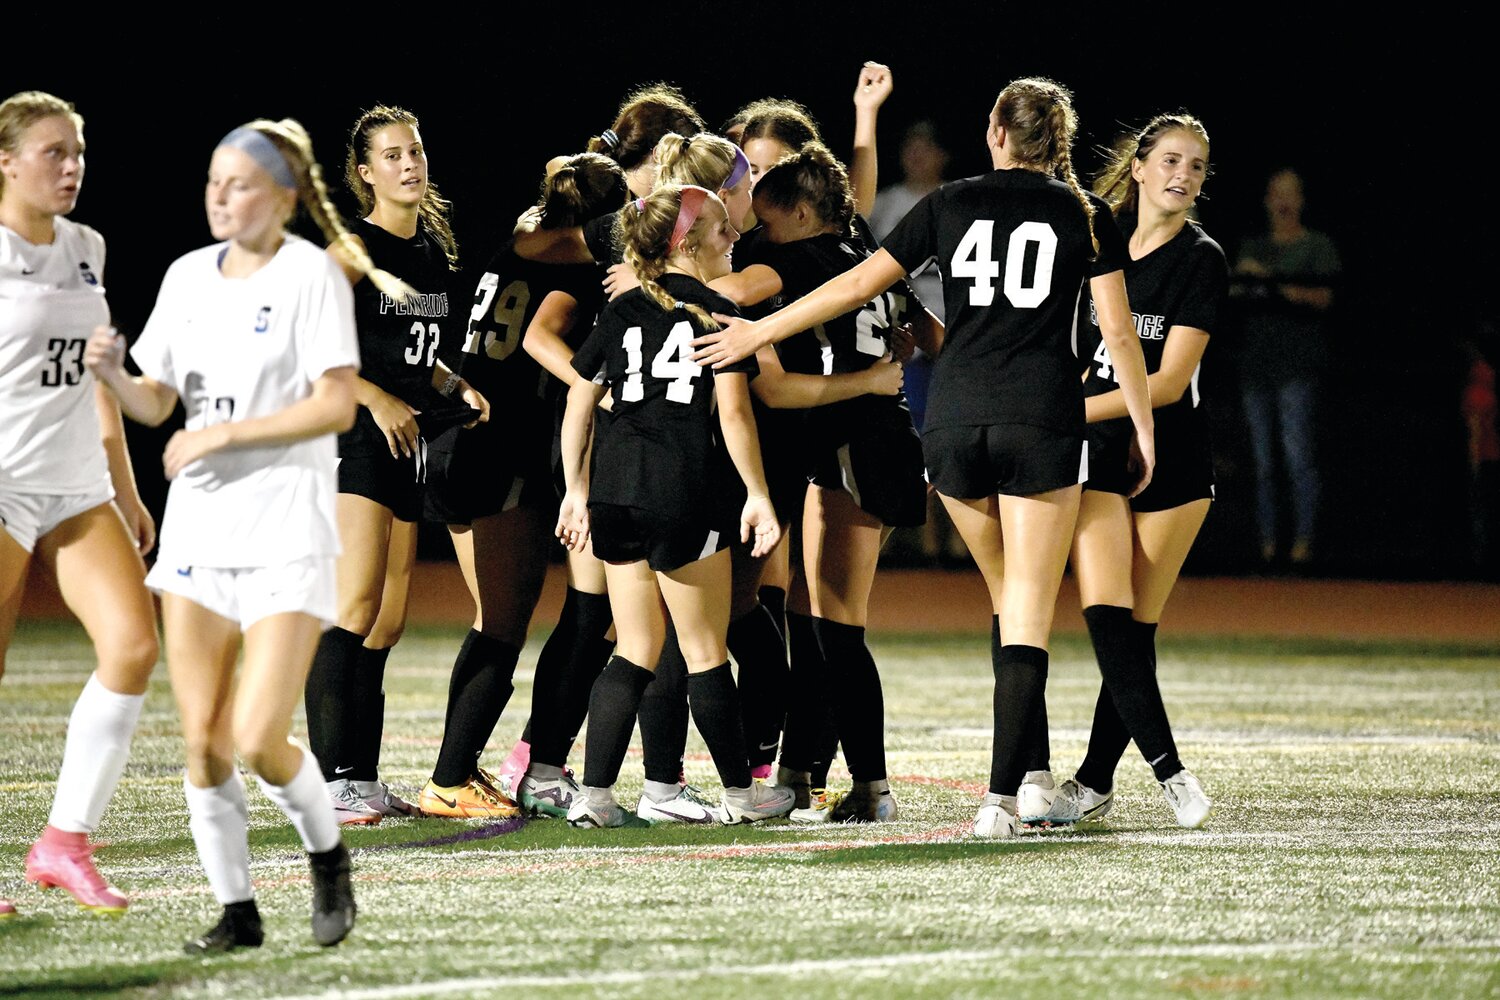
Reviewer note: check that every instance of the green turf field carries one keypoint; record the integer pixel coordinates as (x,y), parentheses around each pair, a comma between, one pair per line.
(1354,851)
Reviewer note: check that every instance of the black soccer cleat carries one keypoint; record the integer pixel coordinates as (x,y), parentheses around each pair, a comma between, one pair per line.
(239,927)
(333,896)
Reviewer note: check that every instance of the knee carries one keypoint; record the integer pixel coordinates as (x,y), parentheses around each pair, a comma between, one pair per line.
(206,759)
(384,636)
(260,746)
(134,655)
(702,653)
(359,617)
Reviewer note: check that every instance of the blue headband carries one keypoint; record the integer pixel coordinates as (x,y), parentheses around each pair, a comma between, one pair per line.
(740,169)
(263,151)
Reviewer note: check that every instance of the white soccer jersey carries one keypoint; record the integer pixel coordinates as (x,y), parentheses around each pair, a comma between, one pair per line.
(51,298)
(235,349)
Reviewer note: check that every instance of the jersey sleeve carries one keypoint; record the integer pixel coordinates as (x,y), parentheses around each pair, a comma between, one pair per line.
(914,241)
(593,354)
(326,334)
(1207,289)
(152,351)
(1113,253)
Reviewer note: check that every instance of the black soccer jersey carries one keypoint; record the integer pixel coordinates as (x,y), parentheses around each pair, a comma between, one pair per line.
(848,343)
(661,452)
(520,391)
(1181,283)
(398,340)
(1015,252)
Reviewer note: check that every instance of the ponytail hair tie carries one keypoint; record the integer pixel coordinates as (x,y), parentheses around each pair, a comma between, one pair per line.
(640,205)
(610,137)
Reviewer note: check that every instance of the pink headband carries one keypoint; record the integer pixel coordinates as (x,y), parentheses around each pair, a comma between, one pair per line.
(693,197)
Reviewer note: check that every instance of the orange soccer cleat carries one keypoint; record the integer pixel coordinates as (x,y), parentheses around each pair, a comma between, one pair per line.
(475,799)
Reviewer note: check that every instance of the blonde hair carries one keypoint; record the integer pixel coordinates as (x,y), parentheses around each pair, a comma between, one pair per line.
(434,209)
(1040,123)
(704,159)
(1115,184)
(19,112)
(646,225)
(295,145)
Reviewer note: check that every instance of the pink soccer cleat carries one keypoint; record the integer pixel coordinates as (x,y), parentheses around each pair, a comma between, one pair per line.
(512,769)
(64,860)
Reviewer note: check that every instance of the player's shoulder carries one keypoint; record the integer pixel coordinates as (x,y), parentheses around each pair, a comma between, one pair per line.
(79,234)
(1202,246)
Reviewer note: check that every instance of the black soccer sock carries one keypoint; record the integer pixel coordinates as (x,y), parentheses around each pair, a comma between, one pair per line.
(1108,737)
(1131,682)
(773,599)
(858,702)
(757,647)
(612,709)
(477,694)
(808,705)
(1020,689)
(591,649)
(716,712)
(664,715)
(369,697)
(1037,743)
(331,718)
(552,663)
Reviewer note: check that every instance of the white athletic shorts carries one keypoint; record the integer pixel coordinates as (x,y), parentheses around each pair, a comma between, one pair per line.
(249,593)
(29,516)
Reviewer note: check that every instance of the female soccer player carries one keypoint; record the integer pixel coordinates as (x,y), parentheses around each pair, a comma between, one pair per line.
(494,487)
(660,501)
(62,461)
(861,459)
(1128,550)
(1004,438)
(383,458)
(255,335)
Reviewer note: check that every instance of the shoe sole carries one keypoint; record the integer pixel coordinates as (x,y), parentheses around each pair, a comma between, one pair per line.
(472,814)
(360,820)
(540,807)
(44,884)
(808,816)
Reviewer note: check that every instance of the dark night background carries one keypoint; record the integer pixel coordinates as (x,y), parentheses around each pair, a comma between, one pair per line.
(1374,115)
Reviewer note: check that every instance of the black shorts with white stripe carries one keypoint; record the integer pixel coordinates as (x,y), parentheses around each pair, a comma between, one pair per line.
(882,472)
(631,534)
(482,471)
(973,462)
(394,483)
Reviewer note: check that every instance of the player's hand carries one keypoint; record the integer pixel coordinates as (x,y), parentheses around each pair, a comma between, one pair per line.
(758,523)
(138,522)
(1142,461)
(885,377)
(472,396)
(186,447)
(573,521)
(903,343)
(619,279)
(874,86)
(735,342)
(397,421)
(104,354)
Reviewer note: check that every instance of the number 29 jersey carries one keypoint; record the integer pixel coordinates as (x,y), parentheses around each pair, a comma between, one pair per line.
(51,298)
(1014,249)
(661,452)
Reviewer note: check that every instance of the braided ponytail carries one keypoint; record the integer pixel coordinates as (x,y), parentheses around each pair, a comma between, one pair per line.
(647,225)
(1040,123)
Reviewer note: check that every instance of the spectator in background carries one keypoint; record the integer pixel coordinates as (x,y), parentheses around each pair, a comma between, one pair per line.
(1482,425)
(1285,288)
(924,161)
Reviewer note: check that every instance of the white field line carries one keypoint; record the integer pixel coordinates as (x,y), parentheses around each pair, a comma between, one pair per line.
(788,971)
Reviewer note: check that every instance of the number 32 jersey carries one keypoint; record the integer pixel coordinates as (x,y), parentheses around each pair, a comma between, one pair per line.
(1014,249)
(661,452)
(51,298)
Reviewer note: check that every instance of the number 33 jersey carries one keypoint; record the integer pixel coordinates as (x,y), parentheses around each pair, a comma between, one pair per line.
(661,451)
(51,298)
(1014,250)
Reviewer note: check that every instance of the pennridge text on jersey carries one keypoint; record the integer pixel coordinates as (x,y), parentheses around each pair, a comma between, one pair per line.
(1147,327)
(425,304)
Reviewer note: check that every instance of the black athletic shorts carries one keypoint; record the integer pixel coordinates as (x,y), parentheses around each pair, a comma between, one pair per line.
(482,471)
(1185,476)
(881,471)
(784,457)
(394,483)
(630,534)
(969,463)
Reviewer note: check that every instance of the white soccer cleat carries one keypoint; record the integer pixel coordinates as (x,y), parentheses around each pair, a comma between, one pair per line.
(1034,797)
(688,806)
(605,814)
(380,797)
(1187,800)
(994,822)
(759,801)
(1078,803)
(350,807)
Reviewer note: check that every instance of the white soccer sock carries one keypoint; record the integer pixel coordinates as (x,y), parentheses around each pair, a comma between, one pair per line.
(662,791)
(220,821)
(94,756)
(305,801)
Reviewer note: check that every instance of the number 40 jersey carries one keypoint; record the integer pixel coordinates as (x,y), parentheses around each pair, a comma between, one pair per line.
(51,298)
(1014,249)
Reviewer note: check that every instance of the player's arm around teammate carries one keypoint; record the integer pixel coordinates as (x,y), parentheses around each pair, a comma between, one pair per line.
(255,335)
(62,458)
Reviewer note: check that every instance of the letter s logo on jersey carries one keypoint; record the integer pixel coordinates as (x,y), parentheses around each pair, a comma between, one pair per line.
(263,319)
